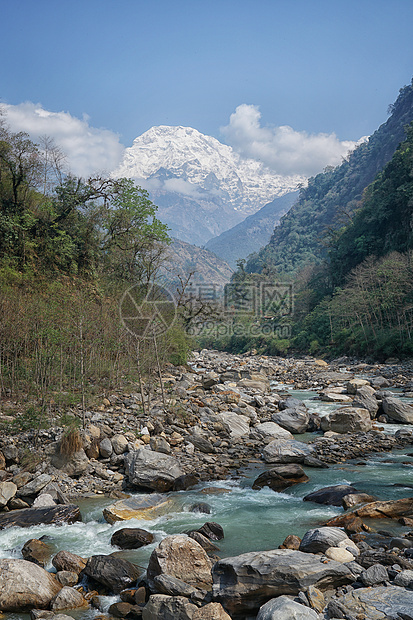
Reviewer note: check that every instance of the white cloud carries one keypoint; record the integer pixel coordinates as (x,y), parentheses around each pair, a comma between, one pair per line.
(89,150)
(282,149)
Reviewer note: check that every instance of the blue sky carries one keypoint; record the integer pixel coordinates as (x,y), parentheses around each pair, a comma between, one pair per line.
(126,65)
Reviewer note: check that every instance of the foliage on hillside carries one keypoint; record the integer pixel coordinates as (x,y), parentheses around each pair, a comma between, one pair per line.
(332,197)
(68,250)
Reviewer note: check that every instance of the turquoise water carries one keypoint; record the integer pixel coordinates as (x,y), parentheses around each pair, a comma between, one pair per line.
(252,520)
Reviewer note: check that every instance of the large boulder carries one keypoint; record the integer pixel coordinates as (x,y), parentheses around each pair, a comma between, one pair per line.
(245,582)
(212,611)
(283,608)
(181,557)
(37,551)
(25,586)
(68,598)
(320,539)
(397,410)
(162,606)
(281,477)
(70,562)
(286,451)
(73,465)
(152,470)
(271,429)
(33,488)
(131,538)
(365,399)
(347,420)
(392,509)
(146,506)
(112,572)
(354,384)
(378,603)
(7,492)
(295,420)
(330,496)
(236,425)
(26,517)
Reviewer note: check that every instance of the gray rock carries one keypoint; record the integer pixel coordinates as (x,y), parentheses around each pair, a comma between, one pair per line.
(25,586)
(74,465)
(347,420)
(379,603)
(286,451)
(42,500)
(354,384)
(236,425)
(200,440)
(295,420)
(330,496)
(67,598)
(271,429)
(320,539)
(397,410)
(365,399)
(159,444)
(112,572)
(245,582)
(152,470)
(283,608)
(404,579)
(26,517)
(7,492)
(32,488)
(374,575)
(119,444)
(166,584)
(105,448)
(162,606)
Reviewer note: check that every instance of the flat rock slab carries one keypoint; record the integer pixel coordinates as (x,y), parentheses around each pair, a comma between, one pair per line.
(26,517)
(142,507)
(378,603)
(245,582)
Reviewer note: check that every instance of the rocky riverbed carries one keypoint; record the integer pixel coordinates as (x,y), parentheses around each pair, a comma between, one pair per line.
(222,413)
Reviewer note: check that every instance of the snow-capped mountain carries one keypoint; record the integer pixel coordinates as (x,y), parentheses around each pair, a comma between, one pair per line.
(202,187)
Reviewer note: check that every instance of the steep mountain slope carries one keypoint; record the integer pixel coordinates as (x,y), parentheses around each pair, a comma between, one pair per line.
(202,187)
(184,259)
(331,198)
(252,233)
(385,221)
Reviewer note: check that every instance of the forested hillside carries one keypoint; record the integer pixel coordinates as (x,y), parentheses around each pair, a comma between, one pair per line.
(331,198)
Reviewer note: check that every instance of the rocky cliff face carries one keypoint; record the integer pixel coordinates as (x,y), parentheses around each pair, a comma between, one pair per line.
(202,187)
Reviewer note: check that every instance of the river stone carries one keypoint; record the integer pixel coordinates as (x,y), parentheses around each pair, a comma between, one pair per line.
(119,443)
(347,420)
(7,492)
(379,603)
(34,487)
(166,584)
(152,470)
(159,444)
(262,385)
(245,582)
(131,538)
(374,575)
(67,598)
(67,578)
(283,608)
(320,539)
(212,530)
(181,557)
(66,561)
(354,384)
(25,586)
(200,440)
(202,540)
(355,499)
(397,410)
(74,465)
(286,451)
(168,608)
(26,517)
(271,429)
(281,477)
(292,419)
(105,448)
(43,500)
(139,507)
(236,425)
(330,496)
(333,397)
(366,400)
(339,554)
(392,509)
(112,572)
(36,551)
(212,611)
(404,579)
